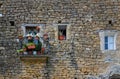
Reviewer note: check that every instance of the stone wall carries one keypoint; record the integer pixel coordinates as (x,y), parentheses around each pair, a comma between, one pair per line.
(78,57)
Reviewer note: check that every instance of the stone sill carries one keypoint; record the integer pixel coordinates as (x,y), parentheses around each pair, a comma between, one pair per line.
(106,51)
(40,58)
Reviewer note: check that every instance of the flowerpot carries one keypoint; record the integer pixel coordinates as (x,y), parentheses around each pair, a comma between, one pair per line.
(31,47)
(61,37)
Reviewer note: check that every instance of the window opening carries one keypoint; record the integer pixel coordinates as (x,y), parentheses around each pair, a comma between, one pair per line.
(12,23)
(62,32)
(109,42)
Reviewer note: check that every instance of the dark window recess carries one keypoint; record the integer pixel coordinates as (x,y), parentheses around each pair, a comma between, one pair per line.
(32,30)
(110,22)
(59,21)
(62,32)
(0,5)
(75,78)
(12,23)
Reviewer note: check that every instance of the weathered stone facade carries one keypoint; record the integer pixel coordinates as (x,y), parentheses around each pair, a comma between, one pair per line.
(77,57)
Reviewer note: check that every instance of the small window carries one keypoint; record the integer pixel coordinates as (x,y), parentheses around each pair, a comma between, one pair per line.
(109,43)
(12,23)
(62,32)
(108,39)
(1,5)
(110,22)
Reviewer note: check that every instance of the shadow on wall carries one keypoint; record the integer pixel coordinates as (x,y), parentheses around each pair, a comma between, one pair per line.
(9,63)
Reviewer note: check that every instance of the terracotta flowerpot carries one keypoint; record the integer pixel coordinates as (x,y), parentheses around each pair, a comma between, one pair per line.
(61,37)
(31,47)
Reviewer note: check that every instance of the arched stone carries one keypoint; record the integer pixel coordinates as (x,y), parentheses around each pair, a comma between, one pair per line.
(115,76)
(111,71)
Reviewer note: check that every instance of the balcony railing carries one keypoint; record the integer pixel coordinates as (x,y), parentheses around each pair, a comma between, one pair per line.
(34,56)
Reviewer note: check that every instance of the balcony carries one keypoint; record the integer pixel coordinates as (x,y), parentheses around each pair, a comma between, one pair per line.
(33,44)
(33,53)
(34,56)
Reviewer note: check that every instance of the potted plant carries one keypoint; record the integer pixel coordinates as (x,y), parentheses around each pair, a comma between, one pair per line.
(61,36)
(31,46)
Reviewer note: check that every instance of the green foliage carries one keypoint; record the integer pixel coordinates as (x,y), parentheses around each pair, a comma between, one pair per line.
(20,50)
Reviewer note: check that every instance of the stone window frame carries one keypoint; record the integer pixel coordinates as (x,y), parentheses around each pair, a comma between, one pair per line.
(32,25)
(102,34)
(41,32)
(67,30)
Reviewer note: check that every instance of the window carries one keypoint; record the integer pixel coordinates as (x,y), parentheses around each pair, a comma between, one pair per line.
(32,30)
(62,32)
(0,5)
(12,23)
(109,43)
(110,22)
(31,43)
(31,39)
(108,39)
